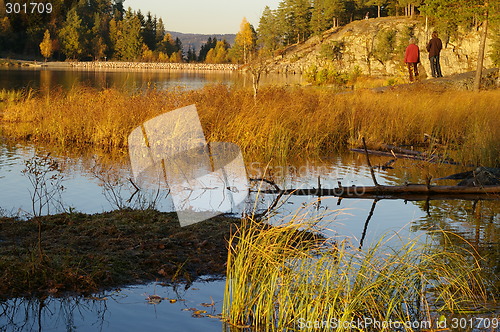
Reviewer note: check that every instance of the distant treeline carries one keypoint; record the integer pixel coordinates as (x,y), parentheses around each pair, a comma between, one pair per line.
(97,30)
(105,30)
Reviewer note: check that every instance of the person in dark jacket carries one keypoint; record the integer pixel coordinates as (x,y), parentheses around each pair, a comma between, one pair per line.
(412,59)
(434,47)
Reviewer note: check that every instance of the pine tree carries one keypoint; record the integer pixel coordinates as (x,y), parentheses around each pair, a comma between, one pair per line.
(70,35)
(160,31)
(191,54)
(127,37)
(379,4)
(302,16)
(149,33)
(205,48)
(5,33)
(46,45)
(267,39)
(327,14)
(98,46)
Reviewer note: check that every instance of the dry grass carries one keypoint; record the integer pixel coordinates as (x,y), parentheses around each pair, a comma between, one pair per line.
(273,284)
(281,123)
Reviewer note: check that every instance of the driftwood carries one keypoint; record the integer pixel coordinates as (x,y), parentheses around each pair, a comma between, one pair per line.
(370,164)
(381,190)
(422,157)
(408,192)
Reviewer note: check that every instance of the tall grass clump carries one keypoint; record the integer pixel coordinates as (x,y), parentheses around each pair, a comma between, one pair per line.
(281,123)
(277,280)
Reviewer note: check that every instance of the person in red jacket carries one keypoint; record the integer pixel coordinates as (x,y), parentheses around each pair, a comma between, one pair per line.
(412,59)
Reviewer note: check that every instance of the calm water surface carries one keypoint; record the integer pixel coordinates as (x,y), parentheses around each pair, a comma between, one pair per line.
(47,79)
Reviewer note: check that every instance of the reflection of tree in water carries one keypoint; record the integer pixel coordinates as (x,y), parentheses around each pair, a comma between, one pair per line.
(21,314)
(475,221)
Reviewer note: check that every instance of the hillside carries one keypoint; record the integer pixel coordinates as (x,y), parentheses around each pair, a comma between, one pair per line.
(376,47)
(196,40)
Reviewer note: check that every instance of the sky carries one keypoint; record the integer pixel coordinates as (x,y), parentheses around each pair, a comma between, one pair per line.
(204,16)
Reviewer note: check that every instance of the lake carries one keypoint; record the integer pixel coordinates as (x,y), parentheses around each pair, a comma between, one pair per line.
(86,175)
(46,79)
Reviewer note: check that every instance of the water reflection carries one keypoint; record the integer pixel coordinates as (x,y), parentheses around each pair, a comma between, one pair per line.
(181,308)
(477,222)
(129,80)
(92,174)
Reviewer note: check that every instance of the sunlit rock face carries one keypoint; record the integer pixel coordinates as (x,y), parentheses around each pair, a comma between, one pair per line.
(364,44)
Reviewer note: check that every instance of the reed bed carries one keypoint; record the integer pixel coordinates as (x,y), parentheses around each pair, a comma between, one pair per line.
(276,283)
(281,123)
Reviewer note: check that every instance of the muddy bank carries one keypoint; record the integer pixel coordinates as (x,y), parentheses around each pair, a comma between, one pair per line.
(85,253)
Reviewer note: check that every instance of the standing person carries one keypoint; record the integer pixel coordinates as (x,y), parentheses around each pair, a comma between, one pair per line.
(412,59)
(434,47)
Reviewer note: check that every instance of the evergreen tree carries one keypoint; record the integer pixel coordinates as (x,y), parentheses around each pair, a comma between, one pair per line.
(327,14)
(127,37)
(118,10)
(178,45)
(115,34)
(294,17)
(160,30)
(46,45)
(267,39)
(149,33)
(5,33)
(98,37)
(301,10)
(205,48)
(379,4)
(191,54)
(70,35)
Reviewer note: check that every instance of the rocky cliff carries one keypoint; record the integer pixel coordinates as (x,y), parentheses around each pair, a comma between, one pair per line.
(376,47)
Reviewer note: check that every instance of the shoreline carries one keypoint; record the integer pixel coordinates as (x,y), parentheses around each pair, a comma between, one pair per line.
(96,65)
(155,65)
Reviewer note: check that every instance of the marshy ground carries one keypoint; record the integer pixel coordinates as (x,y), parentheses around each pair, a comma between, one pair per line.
(84,253)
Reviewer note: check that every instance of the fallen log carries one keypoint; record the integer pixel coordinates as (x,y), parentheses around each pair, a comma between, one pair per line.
(410,191)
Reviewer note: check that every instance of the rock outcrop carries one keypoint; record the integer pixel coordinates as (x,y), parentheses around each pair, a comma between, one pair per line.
(376,47)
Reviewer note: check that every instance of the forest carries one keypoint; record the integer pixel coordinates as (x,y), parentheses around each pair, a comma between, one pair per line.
(105,30)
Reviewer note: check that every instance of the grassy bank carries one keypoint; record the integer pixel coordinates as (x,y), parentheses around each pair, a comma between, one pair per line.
(273,285)
(85,253)
(281,123)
